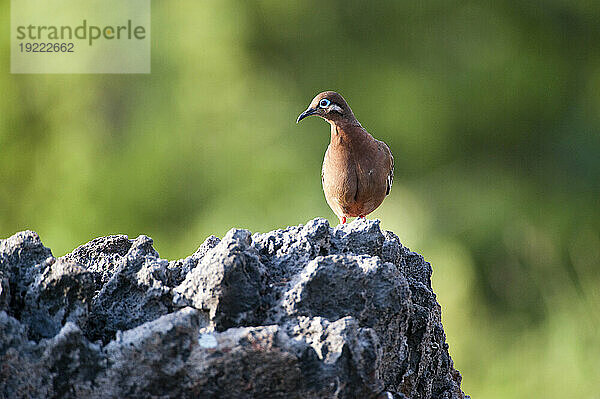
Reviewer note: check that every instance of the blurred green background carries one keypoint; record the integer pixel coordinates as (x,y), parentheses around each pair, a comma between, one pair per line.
(492,111)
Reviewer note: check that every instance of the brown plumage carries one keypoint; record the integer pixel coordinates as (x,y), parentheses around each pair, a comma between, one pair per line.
(358,170)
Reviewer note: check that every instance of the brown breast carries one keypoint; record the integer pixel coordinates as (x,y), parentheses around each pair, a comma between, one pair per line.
(355,171)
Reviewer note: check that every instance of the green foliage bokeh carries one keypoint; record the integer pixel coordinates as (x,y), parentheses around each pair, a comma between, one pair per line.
(492,111)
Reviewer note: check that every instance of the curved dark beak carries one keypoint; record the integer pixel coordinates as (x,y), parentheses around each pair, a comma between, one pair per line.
(308,112)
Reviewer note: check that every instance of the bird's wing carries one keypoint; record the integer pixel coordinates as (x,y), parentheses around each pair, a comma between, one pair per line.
(387,163)
(390,177)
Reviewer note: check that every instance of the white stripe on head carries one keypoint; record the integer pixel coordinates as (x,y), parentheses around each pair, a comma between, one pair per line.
(336,108)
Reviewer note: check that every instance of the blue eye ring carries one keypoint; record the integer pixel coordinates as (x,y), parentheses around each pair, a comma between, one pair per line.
(324,103)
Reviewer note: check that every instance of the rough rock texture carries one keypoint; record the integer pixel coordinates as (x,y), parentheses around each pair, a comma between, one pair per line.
(306,312)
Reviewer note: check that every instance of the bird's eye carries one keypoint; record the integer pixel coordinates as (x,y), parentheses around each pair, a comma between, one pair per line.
(324,103)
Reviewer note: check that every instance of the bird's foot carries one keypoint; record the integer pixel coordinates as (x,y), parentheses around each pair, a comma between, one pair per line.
(343,220)
(361,217)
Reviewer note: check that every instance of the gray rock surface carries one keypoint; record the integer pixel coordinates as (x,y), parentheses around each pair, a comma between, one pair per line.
(306,312)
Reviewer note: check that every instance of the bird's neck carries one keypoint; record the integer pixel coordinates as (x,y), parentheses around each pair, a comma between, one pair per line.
(346,133)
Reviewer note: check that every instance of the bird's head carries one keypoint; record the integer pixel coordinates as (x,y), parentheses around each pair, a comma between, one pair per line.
(330,106)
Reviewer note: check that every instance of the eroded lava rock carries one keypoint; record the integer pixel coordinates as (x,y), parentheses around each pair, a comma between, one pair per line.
(306,312)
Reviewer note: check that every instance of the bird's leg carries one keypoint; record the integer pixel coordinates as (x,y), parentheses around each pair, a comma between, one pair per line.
(343,219)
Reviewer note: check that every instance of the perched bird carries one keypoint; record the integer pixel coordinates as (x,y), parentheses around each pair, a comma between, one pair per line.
(358,170)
